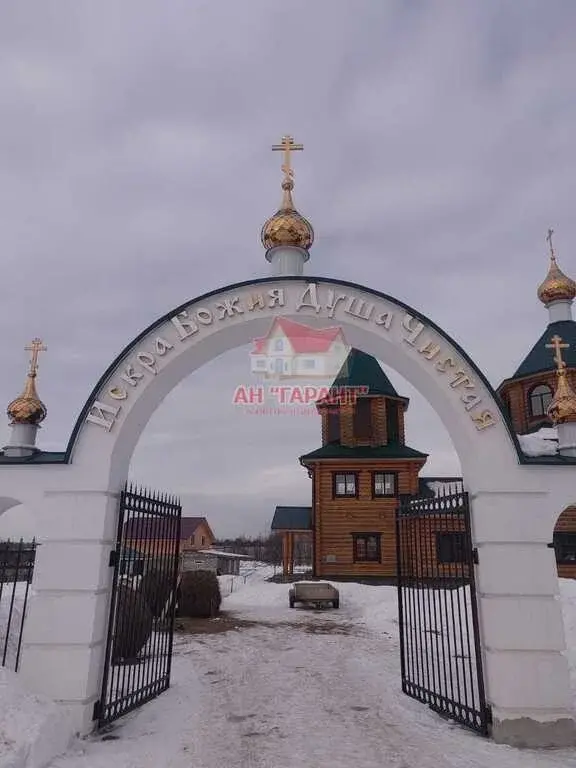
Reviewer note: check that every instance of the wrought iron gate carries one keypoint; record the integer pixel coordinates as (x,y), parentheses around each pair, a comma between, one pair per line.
(143,603)
(441,661)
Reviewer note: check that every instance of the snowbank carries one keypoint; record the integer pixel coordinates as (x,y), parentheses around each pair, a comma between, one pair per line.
(33,729)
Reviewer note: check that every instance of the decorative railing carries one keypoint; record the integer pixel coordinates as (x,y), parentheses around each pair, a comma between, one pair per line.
(16,570)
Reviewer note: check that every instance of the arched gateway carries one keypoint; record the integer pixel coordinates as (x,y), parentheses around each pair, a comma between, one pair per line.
(514,499)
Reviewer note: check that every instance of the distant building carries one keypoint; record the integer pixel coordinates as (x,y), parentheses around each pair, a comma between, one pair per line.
(150,534)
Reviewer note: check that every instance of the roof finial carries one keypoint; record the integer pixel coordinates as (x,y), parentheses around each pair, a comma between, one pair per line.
(556,286)
(562,409)
(28,408)
(287,227)
(550,245)
(36,346)
(558,345)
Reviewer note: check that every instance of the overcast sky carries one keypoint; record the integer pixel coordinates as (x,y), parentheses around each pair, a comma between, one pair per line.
(136,172)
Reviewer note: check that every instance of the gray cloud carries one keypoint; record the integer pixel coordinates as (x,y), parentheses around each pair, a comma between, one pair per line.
(136,173)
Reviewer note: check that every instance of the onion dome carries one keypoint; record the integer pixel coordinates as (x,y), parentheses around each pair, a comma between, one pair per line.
(562,409)
(557,286)
(287,227)
(28,408)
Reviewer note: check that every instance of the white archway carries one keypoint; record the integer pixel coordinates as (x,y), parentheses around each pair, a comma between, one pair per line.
(513,505)
(172,348)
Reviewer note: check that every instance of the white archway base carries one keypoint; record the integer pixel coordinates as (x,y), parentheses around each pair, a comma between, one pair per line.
(513,506)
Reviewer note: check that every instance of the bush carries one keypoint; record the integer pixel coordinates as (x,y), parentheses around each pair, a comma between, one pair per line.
(156,588)
(199,594)
(133,624)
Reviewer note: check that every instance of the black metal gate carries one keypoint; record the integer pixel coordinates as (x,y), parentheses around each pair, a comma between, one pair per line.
(441,661)
(143,603)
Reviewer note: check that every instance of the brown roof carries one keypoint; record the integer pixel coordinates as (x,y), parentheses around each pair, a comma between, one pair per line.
(161,528)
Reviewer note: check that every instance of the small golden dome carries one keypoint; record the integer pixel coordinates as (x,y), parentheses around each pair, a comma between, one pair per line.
(562,409)
(28,408)
(557,286)
(287,226)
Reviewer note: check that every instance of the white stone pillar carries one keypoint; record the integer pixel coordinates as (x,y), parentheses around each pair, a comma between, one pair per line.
(522,629)
(559,310)
(567,438)
(22,440)
(66,627)
(287,260)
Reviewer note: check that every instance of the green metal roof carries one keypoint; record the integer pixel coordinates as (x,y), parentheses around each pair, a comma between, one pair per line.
(292,519)
(391,451)
(362,370)
(541,359)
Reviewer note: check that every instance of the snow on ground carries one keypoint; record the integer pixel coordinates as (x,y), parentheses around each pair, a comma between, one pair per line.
(300,689)
(32,728)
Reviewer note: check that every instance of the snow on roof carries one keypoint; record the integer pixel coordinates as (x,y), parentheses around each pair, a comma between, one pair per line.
(541,443)
(218,553)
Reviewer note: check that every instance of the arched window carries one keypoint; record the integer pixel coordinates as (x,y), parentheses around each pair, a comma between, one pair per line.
(540,398)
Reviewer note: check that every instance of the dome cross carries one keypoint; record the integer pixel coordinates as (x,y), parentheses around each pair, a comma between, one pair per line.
(36,346)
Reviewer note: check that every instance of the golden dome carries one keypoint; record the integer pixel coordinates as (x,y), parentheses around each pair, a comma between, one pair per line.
(28,408)
(287,226)
(562,409)
(557,286)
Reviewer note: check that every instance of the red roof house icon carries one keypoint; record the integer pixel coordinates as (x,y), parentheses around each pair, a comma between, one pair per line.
(294,350)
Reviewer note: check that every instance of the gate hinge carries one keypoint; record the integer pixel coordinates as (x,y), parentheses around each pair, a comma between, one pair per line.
(97,710)
(475,559)
(550,545)
(113,558)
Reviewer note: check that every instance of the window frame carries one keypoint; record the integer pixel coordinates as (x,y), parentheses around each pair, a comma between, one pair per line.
(332,419)
(392,495)
(540,396)
(557,541)
(337,495)
(363,428)
(365,535)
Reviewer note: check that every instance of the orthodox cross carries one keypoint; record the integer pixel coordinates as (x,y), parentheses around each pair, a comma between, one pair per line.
(557,345)
(549,241)
(287,146)
(35,347)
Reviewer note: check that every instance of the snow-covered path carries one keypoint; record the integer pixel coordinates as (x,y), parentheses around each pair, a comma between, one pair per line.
(295,689)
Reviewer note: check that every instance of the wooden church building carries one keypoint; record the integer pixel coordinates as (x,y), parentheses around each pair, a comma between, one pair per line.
(358,474)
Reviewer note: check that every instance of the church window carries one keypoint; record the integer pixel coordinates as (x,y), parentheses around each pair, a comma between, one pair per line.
(451,547)
(345,484)
(363,418)
(392,425)
(333,427)
(540,399)
(565,547)
(278,345)
(384,484)
(367,547)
